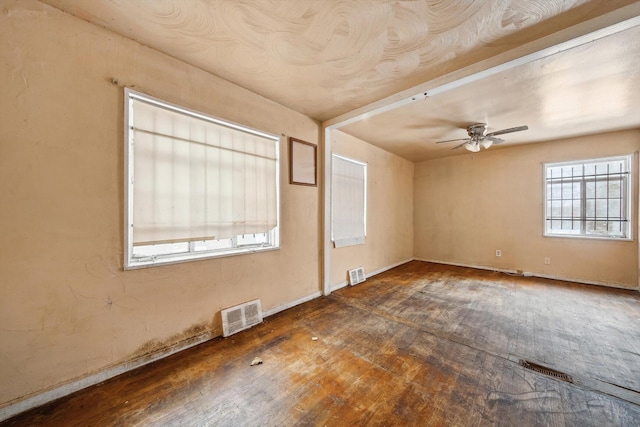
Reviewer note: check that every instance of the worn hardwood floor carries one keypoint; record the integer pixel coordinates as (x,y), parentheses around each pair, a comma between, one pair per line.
(422,344)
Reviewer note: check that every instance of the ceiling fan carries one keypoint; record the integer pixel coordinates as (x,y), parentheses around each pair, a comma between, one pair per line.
(478,136)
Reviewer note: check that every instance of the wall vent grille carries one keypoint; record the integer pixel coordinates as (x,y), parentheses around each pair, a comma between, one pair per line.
(546,371)
(356,276)
(241,317)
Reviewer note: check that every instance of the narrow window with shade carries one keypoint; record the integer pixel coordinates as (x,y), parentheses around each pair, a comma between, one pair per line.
(348,201)
(196,186)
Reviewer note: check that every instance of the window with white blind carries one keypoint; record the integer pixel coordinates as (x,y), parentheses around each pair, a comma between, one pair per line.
(348,201)
(196,186)
(590,198)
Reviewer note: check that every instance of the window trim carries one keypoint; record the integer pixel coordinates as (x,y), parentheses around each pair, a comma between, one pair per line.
(629,158)
(130,262)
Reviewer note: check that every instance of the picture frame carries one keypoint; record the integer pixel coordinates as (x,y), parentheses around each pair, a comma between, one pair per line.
(303,162)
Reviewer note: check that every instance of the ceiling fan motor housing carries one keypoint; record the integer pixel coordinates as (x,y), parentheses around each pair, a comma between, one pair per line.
(478,129)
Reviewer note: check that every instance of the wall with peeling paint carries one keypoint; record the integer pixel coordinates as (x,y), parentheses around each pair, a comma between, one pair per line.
(67,308)
(389,239)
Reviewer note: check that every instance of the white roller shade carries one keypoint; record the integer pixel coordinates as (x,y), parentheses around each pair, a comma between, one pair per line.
(195,179)
(348,201)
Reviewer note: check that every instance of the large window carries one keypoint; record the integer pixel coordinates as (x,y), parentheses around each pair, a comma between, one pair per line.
(348,201)
(196,186)
(589,198)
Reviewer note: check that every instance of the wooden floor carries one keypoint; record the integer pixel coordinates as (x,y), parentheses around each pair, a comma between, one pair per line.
(422,344)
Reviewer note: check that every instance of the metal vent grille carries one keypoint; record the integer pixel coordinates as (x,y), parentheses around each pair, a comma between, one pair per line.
(241,317)
(546,371)
(357,276)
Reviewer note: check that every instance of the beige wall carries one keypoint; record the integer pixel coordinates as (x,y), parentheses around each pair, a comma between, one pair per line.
(389,210)
(67,308)
(468,206)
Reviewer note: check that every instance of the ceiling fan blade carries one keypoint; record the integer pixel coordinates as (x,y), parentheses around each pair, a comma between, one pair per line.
(452,140)
(495,140)
(515,129)
(461,145)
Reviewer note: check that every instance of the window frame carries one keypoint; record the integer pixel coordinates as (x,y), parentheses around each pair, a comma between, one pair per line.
(626,196)
(191,254)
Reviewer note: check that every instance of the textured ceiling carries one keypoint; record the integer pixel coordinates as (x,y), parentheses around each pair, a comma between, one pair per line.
(584,90)
(326,58)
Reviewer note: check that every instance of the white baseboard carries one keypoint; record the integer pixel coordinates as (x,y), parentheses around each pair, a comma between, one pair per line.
(40,398)
(585,282)
(339,286)
(283,307)
(371,274)
(531,274)
(459,264)
(389,267)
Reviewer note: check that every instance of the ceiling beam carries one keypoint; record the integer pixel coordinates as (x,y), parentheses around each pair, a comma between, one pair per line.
(569,38)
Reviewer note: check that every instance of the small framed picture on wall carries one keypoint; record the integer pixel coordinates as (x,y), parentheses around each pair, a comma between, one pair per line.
(302,162)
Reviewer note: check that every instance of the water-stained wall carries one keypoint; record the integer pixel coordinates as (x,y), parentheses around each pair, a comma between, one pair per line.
(67,308)
(467,207)
(389,239)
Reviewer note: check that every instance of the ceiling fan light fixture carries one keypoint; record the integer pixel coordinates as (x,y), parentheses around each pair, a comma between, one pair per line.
(478,137)
(472,146)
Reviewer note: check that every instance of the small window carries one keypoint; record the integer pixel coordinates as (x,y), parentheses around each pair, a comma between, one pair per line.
(348,201)
(196,186)
(590,198)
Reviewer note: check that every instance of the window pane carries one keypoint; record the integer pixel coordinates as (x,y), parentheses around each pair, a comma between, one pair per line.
(577,209)
(252,239)
(601,189)
(601,226)
(591,208)
(576,190)
(161,249)
(588,198)
(615,227)
(210,245)
(553,172)
(615,167)
(615,188)
(589,169)
(615,208)
(602,168)
(601,208)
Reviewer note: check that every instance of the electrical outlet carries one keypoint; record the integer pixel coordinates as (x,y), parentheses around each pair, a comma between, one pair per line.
(547,260)
(498,252)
